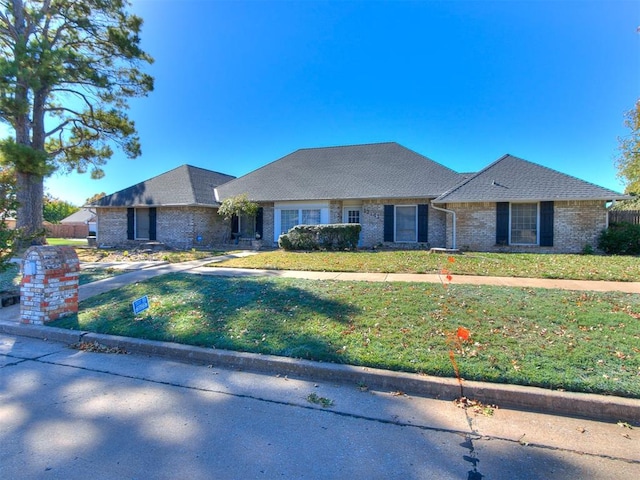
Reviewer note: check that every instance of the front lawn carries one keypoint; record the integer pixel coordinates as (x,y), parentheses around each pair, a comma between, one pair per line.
(575,267)
(577,341)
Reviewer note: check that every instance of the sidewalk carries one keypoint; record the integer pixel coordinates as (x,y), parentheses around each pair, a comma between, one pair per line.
(586,285)
(527,398)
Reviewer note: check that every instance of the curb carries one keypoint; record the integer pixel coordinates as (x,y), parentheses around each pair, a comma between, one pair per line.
(597,407)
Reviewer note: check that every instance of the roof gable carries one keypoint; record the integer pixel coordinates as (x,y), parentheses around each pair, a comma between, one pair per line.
(380,170)
(184,185)
(512,179)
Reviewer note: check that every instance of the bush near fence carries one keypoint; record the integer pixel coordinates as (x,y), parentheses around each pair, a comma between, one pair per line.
(66,230)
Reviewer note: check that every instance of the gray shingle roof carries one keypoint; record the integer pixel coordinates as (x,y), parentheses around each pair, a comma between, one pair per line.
(83,215)
(513,179)
(184,185)
(380,170)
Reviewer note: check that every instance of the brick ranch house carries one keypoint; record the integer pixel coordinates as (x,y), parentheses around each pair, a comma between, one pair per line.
(401,198)
(176,208)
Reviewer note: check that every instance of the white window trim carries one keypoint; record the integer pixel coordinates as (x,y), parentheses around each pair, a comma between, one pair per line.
(537,204)
(395,226)
(345,210)
(279,206)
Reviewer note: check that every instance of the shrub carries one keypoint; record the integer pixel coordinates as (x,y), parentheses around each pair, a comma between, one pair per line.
(339,236)
(620,239)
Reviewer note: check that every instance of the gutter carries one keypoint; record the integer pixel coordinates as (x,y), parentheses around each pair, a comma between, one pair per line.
(453,246)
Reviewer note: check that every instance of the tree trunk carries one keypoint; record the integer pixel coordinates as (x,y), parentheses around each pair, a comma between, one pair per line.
(30,192)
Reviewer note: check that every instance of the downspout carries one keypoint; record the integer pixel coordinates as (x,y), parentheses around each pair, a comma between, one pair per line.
(453,246)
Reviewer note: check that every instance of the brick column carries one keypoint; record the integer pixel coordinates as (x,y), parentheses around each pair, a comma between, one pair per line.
(49,286)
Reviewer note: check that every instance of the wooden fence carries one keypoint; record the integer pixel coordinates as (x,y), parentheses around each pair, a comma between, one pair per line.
(628,216)
(67,230)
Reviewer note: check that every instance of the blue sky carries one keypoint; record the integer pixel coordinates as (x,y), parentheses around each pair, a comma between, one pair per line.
(240,84)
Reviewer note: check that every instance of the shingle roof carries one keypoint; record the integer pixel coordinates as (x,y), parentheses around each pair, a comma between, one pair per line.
(184,185)
(83,215)
(380,170)
(513,179)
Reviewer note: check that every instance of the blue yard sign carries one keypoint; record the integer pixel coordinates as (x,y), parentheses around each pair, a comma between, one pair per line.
(140,305)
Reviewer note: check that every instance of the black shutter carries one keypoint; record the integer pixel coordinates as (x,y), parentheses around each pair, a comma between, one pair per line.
(235,224)
(388,223)
(131,224)
(259,217)
(423,223)
(152,223)
(502,223)
(546,224)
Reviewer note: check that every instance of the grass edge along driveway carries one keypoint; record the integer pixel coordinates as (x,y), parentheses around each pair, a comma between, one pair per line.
(575,341)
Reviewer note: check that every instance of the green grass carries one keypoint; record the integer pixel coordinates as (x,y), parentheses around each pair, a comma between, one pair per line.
(577,341)
(576,267)
(10,278)
(74,242)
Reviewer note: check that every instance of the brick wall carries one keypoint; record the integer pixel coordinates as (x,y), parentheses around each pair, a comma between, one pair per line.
(49,285)
(190,227)
(112,226)
(576,224)
(373,224)
(178,227)
(372,221)
(267,224)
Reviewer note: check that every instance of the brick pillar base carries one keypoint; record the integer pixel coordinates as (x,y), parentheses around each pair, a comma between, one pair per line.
(49,286)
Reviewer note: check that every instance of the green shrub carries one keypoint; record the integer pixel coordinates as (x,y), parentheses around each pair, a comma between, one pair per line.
(620,239)
(340,236)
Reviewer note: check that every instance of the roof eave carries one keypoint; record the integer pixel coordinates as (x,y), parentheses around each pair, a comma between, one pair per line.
(443,200)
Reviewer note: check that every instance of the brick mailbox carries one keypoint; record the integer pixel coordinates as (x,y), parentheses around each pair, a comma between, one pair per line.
(49,287)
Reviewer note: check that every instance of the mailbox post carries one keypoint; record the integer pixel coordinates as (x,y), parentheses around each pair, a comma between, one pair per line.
(49,286)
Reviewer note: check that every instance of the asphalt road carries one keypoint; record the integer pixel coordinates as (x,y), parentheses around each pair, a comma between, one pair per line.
(69,414)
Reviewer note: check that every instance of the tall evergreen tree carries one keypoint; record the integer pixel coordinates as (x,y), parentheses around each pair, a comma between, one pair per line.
(67,71)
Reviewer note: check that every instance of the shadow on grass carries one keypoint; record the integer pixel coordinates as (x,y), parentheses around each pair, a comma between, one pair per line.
(241,314)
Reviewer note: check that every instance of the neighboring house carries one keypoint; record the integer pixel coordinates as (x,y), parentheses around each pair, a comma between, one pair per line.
(176,208)
(405,200)
(84,216)
(401,199)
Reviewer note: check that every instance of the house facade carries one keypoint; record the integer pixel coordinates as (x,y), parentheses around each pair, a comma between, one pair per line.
(176,209)
(518,206)
(400,198)
(385,187)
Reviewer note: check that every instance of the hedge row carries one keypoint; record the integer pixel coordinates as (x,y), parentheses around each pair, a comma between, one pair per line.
(337,236)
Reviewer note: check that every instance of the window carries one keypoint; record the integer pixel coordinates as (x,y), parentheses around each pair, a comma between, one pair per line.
(524,223)
(142,224)
(353,216)
(291,218)
(288,220)
(310,217)
(406,223)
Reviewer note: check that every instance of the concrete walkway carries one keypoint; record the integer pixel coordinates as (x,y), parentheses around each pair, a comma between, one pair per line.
(582,285)
(528,398)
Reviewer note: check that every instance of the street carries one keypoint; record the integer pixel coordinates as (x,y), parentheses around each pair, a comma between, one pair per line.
(71,414)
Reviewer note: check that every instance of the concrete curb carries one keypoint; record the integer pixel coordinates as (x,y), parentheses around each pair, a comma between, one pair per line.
(599,407)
